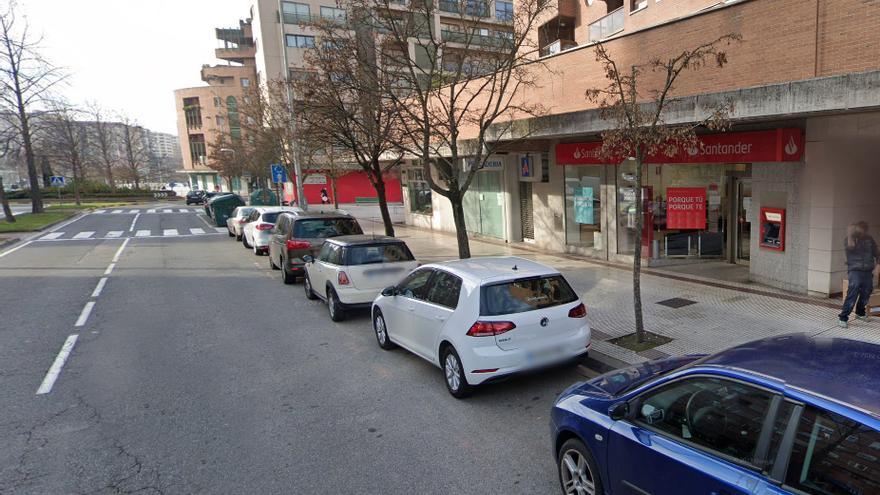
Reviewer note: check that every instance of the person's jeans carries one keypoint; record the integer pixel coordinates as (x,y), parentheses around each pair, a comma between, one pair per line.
(861,284)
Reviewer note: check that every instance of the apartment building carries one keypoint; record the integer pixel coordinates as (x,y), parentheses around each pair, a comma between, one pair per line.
(767,202)
(206,112)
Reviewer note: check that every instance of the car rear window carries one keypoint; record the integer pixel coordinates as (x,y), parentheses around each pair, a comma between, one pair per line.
(525,294)
(378,253)
(243,212)
(270,217)
(320,228)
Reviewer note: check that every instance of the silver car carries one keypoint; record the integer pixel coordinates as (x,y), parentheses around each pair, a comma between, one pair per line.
(258,227)
(235,222)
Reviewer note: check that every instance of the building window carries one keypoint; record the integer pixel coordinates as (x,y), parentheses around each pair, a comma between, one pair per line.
(221,121)
(192,113)
(419,192)
(477,8)
(218,101)
(234,121)
(197,148)
(583,206)
(504,11)
(295,13)
(333,13)
(245,82)
(300,41)
(635,5)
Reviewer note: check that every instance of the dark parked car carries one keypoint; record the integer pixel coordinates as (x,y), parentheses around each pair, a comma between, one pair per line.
(792,414)
(298,234)
(195,197)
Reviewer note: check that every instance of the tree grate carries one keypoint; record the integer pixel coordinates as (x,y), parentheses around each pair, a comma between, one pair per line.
(676,302)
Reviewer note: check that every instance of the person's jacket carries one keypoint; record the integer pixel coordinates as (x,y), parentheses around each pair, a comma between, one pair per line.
(864,256)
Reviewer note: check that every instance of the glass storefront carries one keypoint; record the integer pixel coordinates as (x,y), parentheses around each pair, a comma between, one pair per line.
(419,192)
(583,206)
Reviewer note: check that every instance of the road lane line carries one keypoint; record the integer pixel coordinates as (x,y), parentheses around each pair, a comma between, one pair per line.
(142,233)
(169,232)
(100,287)
(84,316)
(99,211)
(114,234)
(119,251)
(53,235)
(55,369)
(134,221)
(197,231)
(16,248)
(151,210)
(185,210)
(110,268)
(134,211)
(167,211)
(84,235)
(116,211)
(206,221)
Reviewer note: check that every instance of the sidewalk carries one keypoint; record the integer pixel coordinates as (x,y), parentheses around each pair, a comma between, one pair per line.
(717,318)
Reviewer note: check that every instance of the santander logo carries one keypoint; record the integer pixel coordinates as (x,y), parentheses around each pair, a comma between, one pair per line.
(791,147)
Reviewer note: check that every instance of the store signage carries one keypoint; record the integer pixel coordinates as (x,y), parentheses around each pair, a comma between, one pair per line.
(315,179)
(468,163)
(583,206)
(686,208)
(779,145)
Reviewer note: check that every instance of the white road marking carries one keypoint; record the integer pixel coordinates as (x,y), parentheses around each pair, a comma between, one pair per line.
(65,224)
(185,210)
(167,211)
(134,221)
(202,217)
(84,316)
(53,235)
(99,211)
(221,230)
(116,211)
(100,287)
(16,248)
(134,211)
(119,251)
(110,268)
(114,234)
(151,210)
(197,231)
(84,235)
(169,232)
(55,369)
(142,233)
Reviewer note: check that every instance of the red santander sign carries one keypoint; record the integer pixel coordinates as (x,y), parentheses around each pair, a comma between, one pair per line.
(778,145)
(685,208)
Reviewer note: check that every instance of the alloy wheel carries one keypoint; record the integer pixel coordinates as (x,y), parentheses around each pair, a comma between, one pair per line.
(381,334)
(577,479)
(452,369)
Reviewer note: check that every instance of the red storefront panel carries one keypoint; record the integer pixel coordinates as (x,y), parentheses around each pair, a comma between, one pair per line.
(351,186)
(779,145)
(685,208)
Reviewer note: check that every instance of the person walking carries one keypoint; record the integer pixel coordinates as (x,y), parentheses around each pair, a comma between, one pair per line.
(325,198)
(862,257)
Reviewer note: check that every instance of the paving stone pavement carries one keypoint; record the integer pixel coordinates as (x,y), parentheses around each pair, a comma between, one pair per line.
(721,317)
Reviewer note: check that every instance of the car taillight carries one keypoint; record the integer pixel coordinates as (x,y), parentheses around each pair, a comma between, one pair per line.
(242,221)
(264,226)
(291,244)
(342,279)
(578,311)
(490,328)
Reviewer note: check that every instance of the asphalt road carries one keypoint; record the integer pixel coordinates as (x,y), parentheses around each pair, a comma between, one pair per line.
(197,371)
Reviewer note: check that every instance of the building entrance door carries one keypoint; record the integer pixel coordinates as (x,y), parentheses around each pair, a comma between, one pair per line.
(740,227)
(526,212)
(484,204)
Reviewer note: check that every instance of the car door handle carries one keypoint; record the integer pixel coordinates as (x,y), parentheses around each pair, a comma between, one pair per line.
(439,317)
(411,308)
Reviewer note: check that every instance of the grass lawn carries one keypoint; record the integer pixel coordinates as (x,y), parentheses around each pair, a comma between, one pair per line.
(34,221)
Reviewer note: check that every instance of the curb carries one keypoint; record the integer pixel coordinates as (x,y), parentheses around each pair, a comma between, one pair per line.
(9,242)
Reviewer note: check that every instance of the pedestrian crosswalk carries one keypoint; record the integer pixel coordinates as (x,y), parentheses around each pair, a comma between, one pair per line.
(140,233)
(145,211)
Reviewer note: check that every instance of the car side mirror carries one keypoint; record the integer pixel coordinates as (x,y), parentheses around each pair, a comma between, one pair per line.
(389,291)
(618,411)
(308,259)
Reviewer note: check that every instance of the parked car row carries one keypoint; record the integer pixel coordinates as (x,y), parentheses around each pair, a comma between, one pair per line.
(767,417)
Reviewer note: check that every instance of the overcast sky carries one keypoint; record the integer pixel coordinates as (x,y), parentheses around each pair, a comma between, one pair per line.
(130,55)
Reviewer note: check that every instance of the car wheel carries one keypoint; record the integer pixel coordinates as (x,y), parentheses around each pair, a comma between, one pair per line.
(307,287)
(244,242)
(286,277)
(229,232)
(257,251)
(578,472)
(238,237)
(453,371)
(382,331)
(334,306)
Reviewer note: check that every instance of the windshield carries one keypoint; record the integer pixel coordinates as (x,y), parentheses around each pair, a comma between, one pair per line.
(270,217)
(243,212)
(381,253)
(525,294)
(320,228)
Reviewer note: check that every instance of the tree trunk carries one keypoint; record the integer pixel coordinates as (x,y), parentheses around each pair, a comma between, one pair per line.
(333,190)
(637,255)
(383,207)
(46,170)
(464,248)
(33,178)
(109,172)
(76,176)
(6,209)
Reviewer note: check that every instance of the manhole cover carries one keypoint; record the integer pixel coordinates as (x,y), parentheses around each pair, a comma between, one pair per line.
(677,302)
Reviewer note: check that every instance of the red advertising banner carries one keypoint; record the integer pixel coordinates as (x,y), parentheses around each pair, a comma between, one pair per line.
(778,145)
(685,208)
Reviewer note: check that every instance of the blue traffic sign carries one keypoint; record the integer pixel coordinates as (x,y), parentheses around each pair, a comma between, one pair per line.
(57,181)
(279,175)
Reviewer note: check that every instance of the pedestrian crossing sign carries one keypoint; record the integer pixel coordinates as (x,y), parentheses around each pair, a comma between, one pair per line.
(57,181)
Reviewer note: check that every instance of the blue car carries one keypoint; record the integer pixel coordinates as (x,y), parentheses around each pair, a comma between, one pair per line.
(788,414)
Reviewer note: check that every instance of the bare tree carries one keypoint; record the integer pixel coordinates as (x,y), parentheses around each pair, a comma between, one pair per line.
(136,150)
(637,122)
(455,89)
(26,80)
(65,139)
(106,141)
(226,156)
(4,201)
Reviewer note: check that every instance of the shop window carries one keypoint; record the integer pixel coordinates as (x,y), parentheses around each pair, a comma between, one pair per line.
(419,192)
(583,206)
(626,207)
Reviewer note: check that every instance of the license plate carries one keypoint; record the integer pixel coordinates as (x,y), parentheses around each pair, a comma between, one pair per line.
(546,354)
(382,271)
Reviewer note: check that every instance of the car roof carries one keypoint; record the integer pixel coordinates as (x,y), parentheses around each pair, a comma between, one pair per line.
(491,269)
(276,209)
(359,239)
(306,215)
(844,370)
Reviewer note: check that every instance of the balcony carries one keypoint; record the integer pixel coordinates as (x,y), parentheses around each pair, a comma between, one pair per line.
(236,54)
(474,40)
(474,8)
(608,25)
(557,47)
(307,19)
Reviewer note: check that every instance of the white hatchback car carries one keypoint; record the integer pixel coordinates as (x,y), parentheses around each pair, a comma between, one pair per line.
(236,222)
(483,318)
(350,270)
(258,227)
